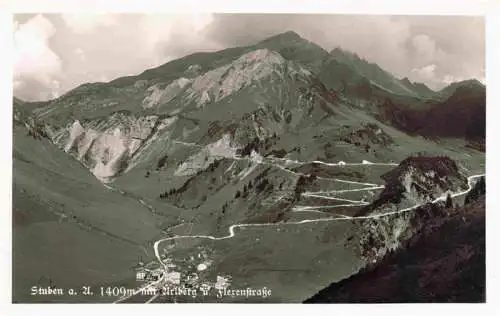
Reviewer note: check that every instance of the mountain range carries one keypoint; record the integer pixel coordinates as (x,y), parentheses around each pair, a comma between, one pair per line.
(266,137)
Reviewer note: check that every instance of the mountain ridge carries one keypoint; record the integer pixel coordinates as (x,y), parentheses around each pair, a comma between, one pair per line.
(288,38)
(264,155)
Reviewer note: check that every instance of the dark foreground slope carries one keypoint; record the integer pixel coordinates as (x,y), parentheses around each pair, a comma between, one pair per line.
(444,263)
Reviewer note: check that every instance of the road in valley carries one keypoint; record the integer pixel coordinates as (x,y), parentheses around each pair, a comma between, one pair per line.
(320,194)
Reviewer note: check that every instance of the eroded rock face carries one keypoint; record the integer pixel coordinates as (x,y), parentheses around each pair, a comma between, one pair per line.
(157,96)
(223,81)
(409,189)
(107,146)
(224,147)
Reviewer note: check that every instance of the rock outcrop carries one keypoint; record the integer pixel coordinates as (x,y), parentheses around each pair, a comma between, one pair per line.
(409,188)
(107,146)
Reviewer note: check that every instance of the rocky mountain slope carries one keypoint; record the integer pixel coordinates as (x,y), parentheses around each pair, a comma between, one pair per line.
(416,181)
(274,133)
(444,262)
(281,85)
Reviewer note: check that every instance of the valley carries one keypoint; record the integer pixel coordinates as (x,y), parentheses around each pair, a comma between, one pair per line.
(277,165)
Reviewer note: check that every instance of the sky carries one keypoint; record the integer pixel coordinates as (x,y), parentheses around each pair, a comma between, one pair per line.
(55,53)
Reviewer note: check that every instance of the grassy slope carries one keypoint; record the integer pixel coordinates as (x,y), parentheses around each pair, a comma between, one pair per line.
(67,226)
(57,183)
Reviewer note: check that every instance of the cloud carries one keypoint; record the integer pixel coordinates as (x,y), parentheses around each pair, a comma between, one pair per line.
(88,22)
(80,54)
(34,60)
(371,37)
(425,48)
(450,79)
(426,73)
(168,36)
(399,44)
(91,47)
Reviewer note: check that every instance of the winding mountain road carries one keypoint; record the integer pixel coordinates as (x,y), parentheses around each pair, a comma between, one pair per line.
(232,229)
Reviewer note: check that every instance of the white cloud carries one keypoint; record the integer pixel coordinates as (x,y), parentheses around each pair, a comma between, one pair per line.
(167,33)
(93,47)
(424,46)
(33,57)
(427,50)
(450,79)
(429,75)
(55,91)
(79,53)
(427,72)
(37,68)
(87,22)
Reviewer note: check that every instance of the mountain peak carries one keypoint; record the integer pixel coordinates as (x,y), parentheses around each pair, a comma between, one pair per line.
(293,47)
(471,82)
(462,86)
(339,51)
(407,81)
(466,83)
(287,36)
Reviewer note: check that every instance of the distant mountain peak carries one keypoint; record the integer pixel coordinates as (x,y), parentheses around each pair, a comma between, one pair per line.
(459,87)
(471,82)
(339,51)
(465,83)
(287,36)
(407,81)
